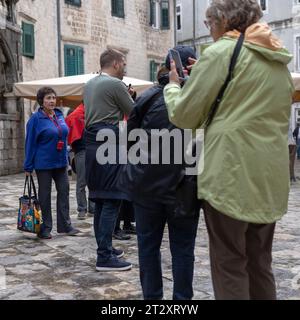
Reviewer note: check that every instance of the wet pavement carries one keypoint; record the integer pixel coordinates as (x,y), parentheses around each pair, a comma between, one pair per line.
(64,267)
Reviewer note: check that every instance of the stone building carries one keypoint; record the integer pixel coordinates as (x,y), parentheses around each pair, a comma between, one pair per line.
(66,37)
(11,114)
(45,39)
(282,16)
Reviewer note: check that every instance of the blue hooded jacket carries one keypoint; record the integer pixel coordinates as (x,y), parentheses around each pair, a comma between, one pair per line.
(42,137)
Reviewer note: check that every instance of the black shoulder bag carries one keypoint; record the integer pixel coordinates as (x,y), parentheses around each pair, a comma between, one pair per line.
(187,202)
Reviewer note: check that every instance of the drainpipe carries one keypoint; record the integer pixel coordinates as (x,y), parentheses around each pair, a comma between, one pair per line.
(175,25)
(59,37)
(194,24)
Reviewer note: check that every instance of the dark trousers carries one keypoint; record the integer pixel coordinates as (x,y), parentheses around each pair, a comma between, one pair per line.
(83,205)
(126,214)
(60,177)
(151,219)
(292,157)
(240,257)
(105,218)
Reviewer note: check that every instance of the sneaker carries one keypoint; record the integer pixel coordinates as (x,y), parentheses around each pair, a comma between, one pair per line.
(44,236)
(118,253)
(72,232)
(120,235)
(129,229)
(90,214)
(113,264)
(81,215)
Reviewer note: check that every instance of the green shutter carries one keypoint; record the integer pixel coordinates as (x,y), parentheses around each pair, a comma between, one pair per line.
(74,60)
(28,46)
(113,7)
(76,3)
(165,24)
(117,8)
(152,13)
(80,61)
(121,12)
(153,70)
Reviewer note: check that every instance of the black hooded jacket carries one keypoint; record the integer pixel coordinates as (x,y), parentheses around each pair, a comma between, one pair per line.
(152,182)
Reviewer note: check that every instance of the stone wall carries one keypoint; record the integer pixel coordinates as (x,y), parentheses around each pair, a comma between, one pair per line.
(42,14)
(11,114)
(11,144)
(92,27)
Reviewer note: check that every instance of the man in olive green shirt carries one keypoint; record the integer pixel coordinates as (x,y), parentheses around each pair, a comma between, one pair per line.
(106,100)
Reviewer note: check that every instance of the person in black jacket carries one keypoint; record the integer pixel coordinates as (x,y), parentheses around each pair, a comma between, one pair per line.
(152,189)
(296,136)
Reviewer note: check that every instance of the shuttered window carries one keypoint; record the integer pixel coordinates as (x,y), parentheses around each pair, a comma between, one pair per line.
(165,23)
(153,70)
(159,14)
(28,40)
(74,60)
(152,21)
(117,8)
(76,3)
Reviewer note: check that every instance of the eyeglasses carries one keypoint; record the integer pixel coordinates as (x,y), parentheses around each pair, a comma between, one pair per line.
(207,24)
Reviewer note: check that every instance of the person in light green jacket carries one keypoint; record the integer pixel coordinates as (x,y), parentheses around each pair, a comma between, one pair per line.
(245,181)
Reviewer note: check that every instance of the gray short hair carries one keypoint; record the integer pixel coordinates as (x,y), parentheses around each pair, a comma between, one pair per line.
(238,14)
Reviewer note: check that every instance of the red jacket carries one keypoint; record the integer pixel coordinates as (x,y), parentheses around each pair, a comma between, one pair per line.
(75,122)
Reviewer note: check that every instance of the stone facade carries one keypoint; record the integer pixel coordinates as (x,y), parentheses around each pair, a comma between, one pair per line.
(11,115)
(90,26)
(282,16)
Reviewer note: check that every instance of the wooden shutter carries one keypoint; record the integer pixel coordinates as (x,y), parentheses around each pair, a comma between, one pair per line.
(117,8)
(164,8)
(152,13)
(76,3)
(28,46)
(153,70)
(80,61)
(74,60)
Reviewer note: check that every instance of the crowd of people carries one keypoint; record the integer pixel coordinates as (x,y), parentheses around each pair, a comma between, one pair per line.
(240,93)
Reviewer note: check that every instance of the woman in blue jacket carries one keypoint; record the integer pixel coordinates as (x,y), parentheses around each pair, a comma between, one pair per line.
(46,153)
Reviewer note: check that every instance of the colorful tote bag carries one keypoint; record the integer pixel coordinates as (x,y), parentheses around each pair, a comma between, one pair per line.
(29,215)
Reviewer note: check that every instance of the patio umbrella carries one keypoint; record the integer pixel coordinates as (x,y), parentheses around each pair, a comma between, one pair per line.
(296,80)
(70,89)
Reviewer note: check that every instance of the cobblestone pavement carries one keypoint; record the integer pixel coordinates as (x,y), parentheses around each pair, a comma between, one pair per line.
(64,267)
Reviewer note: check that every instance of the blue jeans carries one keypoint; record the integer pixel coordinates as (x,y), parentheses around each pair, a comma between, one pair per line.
(105,217)
(151,219)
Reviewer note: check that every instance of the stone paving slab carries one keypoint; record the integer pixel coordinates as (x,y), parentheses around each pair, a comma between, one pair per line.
(63,268)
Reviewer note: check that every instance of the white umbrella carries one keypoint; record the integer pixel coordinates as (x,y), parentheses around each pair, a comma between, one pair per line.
(296,81)
(70,89)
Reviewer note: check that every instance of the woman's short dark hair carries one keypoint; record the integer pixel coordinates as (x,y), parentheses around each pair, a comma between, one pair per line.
(42,92)
(238,14)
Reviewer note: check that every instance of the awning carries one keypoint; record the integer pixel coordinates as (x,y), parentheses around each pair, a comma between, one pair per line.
(296,80)
(70,89)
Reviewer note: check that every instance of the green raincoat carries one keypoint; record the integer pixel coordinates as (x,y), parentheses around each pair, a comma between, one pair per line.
(246,164)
